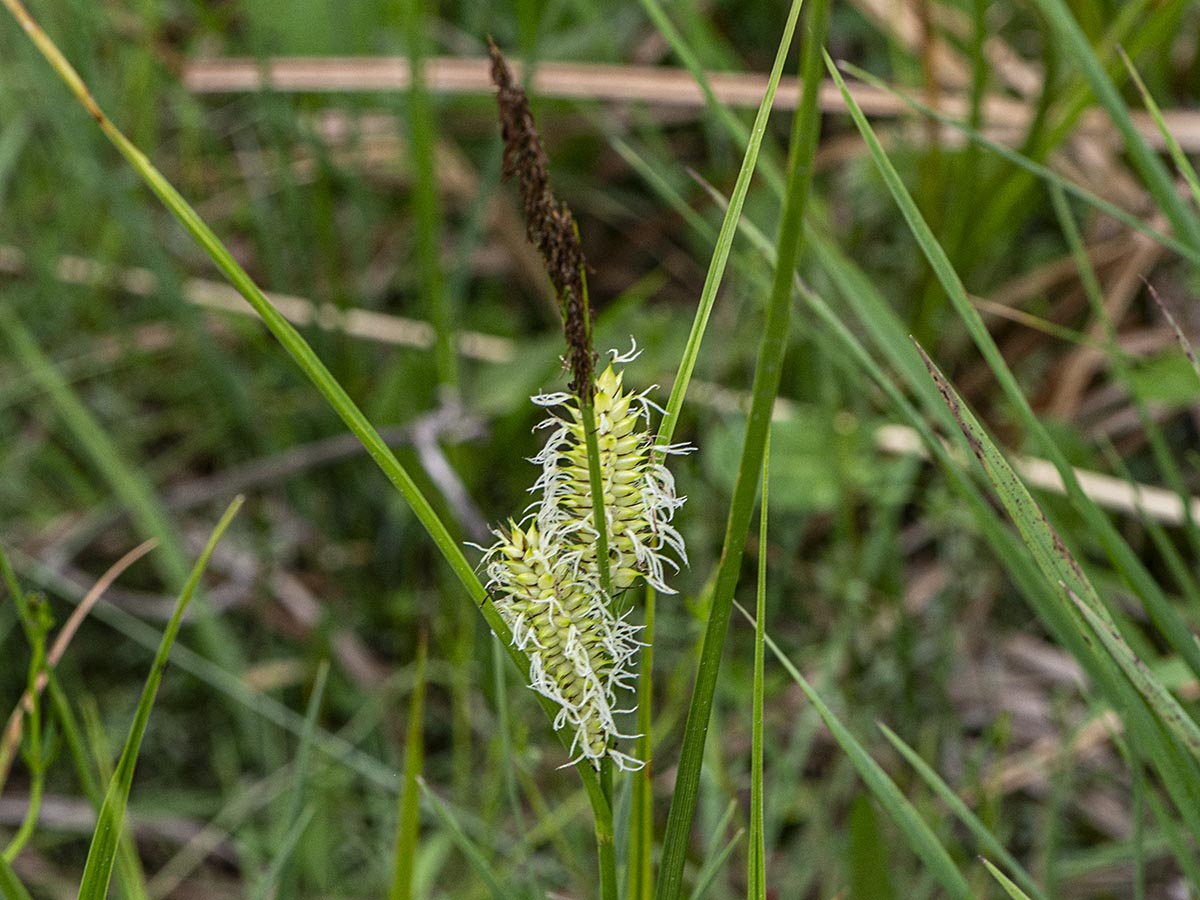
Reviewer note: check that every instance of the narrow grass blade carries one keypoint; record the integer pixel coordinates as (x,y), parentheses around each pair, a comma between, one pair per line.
(756,877)
(963,813)
(11,887)
(712,868)
(1154,724)
(805,127)
(1184,344)
(1150,687)
(1011,889)
(915,830)
(1033,167)
(466,846)
(1118,551)
(1161,610)
(1182,163)
(716,267)
(414,757)
(285,845)
(1149,166)
(102,853)
(866,854)
(270,878)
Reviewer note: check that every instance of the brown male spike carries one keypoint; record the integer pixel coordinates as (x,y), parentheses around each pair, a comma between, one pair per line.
(548,221)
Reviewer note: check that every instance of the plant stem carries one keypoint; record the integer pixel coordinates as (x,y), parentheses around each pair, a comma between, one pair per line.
(587,411)
(767,373)
(641,876)
(605,843)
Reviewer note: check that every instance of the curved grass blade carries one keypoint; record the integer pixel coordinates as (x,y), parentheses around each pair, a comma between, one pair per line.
(1182,163)
(767,372)
(1022,161)
(414,757)
(716,267)
(964,814)
(1154,724)
(102,853)
(1150,167)
(466,846)
(1011,889)
(916,831)
(1118,551)
(11,887)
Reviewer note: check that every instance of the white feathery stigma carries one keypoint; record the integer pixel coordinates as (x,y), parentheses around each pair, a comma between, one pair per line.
(544,572)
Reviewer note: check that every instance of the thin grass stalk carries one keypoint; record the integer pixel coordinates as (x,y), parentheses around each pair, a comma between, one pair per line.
(1029,165)
(641,840)
(587,410)
(414,757)
(716,267)
(1182,163)
(606,845)
(110,821)
(1118,551)
(1183,219)
(756,880)
(768,369)
(422,129)
(38,627)
(297,348)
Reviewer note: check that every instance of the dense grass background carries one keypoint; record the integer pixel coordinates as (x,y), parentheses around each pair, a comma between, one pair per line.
(131,409)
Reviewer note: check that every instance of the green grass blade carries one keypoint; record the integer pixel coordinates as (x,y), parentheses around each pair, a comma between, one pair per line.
(805,126)
(1150,687)
(1150,167)
(1152,716)
(1011,889)
(466,846)
(866,854)
(1022,161)
(963,813)
(11,887)
(1122,556)
(712,867)
(422,129)
(408,823)
(285,845)
(915,830)
(1182,163)
(102,853)
(756,878)
(716,267)
(271,877)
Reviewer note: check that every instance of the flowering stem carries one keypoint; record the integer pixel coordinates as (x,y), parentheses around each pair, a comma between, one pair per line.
(588,412)
(605,843)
